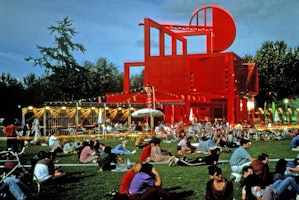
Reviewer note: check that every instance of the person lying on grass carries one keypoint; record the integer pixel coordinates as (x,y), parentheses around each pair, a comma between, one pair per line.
(211,159)
(121,149)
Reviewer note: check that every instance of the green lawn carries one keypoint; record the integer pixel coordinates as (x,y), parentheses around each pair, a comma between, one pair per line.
(187,182)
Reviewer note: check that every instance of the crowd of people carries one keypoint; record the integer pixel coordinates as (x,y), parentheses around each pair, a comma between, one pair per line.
(141,179)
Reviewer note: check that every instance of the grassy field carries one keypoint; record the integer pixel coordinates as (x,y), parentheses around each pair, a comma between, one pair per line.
(188,183)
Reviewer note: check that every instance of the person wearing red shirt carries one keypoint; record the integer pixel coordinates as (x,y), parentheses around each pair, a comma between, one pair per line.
(146,152)
(126,180)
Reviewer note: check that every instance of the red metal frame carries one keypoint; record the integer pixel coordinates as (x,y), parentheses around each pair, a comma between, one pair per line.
(215,84)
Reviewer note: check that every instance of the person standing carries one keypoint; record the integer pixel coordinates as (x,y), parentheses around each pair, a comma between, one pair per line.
(36,129)
(9,131)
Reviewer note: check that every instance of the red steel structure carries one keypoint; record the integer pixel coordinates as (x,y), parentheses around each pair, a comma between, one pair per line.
(215,84)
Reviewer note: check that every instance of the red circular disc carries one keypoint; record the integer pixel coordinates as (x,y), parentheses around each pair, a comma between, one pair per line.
(219,21)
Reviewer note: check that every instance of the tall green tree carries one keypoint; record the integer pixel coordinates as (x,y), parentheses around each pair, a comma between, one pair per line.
(278,67)
(103,77)
(65,74)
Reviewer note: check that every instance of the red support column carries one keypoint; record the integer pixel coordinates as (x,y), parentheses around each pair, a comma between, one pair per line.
(126,80)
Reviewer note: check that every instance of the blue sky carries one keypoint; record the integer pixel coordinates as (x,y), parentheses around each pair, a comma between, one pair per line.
(109,28)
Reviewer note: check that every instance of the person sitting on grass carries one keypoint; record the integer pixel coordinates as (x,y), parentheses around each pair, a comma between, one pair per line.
(87,155)
(240,158)
(261,168)
(252,187)
(140,141)
(291,167)
(54,143)
(145,155)
(77,145)
(218,187)
(211,159)
(146,185)
(127,179)
(182,147)
(106,159)
(121,149)
(67,147)
(281,189)
(45,169)
(18,189)
(156,154)
(205,144)
(295,142)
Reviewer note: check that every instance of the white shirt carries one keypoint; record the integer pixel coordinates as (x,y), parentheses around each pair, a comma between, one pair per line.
(41,172)
(52,140)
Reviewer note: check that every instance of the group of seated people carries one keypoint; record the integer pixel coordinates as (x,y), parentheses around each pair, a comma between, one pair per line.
(106,156)
(17,186)
(257,182)
(142,181)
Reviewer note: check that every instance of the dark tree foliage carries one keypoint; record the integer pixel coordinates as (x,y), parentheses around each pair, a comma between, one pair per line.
(34,87)
(66,80)
(104,77)
(12,96)
(278,68)
(65,75)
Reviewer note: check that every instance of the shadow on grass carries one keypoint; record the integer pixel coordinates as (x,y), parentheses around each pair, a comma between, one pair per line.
(73,177)
(173,195)
(179,195)
(60,155)
(64,185)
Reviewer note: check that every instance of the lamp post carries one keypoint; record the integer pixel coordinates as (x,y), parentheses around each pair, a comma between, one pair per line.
(286,102)
(20,110)
(250,107)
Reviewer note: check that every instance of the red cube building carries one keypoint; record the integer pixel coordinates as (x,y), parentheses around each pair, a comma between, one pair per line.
(215,84)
